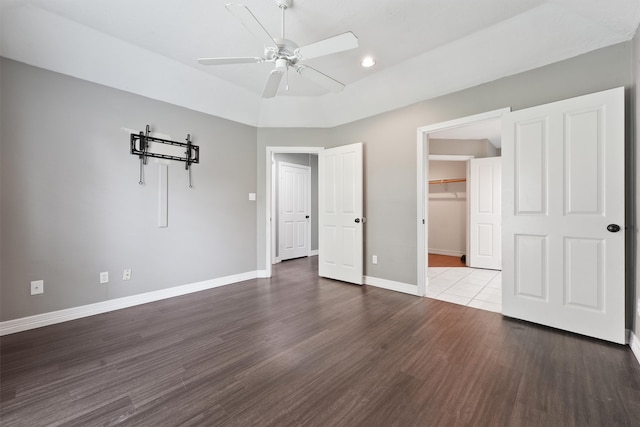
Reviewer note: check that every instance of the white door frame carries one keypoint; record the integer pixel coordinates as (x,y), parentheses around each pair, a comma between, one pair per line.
(269,205)
(423,177)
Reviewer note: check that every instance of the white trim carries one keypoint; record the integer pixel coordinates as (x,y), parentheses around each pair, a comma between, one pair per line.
(423,214)
(634,343)
(270,151)
(262,274)
(391,285)
(445,252)
(450,157)
(314,252)
(463,121)
(59,316)
(274,258)
(422,191)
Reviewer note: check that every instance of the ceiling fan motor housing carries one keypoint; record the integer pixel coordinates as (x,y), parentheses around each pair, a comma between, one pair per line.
(286,50)
(284,3)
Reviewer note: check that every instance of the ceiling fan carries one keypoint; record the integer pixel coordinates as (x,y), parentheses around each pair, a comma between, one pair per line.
(285,53)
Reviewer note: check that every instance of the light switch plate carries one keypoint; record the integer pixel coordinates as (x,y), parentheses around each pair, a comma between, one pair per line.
(252,196)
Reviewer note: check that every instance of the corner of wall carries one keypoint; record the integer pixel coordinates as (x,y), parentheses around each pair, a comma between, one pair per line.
(635,184)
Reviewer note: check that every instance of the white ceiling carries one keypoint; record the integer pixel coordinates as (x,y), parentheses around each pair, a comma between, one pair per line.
(423,48)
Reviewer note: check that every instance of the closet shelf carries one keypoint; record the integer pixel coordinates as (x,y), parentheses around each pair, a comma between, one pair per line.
(446,181)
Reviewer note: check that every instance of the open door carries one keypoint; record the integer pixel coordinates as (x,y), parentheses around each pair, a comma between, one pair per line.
(563,215)
(340,210)
(485,213)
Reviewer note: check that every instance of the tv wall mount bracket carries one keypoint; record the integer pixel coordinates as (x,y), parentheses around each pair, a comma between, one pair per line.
(140,147)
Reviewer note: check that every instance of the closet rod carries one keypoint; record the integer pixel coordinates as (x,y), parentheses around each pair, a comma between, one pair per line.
(447,181)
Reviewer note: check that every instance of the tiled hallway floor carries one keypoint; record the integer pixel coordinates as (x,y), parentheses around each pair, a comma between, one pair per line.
(466,286)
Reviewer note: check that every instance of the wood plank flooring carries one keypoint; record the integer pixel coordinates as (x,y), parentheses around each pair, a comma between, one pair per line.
(436,260)
(298,350)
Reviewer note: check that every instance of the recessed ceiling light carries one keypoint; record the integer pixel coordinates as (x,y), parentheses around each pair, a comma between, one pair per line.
(368,62)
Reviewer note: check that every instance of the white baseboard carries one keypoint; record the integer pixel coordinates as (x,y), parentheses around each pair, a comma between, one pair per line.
(391,285)
(261,274)
(31,322)
(634,343)
(314,252)
(445,252)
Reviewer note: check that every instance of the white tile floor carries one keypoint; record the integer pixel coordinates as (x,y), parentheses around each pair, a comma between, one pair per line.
(466,286)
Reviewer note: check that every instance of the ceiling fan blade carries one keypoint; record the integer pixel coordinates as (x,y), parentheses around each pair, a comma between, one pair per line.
(339,43)
(273,82)
(320,78)
(230,60)
(251,23)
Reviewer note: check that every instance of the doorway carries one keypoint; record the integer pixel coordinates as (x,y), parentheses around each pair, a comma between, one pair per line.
(294,206)
(465,128)
(459,199)
(270,194)
(448,241)
(340,198)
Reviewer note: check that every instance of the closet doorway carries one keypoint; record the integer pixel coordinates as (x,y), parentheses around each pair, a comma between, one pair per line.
(448,210)
(463,185)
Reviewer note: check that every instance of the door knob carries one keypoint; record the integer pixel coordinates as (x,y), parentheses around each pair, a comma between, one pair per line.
(307,216)
(614,228)
(357,220)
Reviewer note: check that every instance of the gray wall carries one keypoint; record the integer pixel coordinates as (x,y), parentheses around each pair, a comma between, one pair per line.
(72,206)
(310,160)
(633,153)
(473,147)
(390,147)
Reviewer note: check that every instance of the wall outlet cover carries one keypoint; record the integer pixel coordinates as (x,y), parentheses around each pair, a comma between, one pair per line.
(104,277)
(37,287)
(126,274)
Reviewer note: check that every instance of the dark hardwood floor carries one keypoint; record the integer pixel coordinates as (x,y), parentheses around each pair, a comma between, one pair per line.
(297,350)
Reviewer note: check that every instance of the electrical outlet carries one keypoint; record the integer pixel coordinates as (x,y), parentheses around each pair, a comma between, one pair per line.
(374,259)
(37,287)
(126,274)
(104,277)
(638,306)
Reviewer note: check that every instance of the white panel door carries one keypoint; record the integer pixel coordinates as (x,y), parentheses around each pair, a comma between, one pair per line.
(563,186)
(485,216)
(340,213)
(293,212)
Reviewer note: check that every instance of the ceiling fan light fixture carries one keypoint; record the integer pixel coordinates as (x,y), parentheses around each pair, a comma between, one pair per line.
(281,64)
(368,62)
(284,53)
